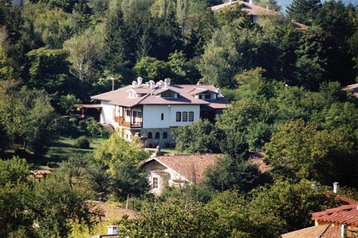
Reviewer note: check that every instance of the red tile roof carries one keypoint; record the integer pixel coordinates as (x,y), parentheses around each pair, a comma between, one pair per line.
(299,26)
(191,166)
(346,214)
(149,96)
(314,231)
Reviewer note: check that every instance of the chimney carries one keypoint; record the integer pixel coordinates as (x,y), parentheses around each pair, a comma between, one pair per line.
(151,84)
(139,80)
(166,83)
(134,84)
(112,230)
(335,187)
(251,2)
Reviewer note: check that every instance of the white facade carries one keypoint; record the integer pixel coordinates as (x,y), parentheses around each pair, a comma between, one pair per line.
(165,116)
(150,111)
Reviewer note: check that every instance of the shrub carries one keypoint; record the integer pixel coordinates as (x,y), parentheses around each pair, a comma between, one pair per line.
(82,142)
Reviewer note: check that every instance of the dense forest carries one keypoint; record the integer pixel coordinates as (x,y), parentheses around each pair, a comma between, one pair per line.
(285,88)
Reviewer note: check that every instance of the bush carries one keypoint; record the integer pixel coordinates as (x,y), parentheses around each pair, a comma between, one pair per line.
(82,142)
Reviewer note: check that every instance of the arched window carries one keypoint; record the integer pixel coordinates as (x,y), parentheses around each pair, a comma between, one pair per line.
(157,135)
(150,135)
(165,135)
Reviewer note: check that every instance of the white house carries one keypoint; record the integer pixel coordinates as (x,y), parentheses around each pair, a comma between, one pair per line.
(249,8)
(150,110)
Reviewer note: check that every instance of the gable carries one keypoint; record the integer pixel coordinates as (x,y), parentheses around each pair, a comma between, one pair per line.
(189,167)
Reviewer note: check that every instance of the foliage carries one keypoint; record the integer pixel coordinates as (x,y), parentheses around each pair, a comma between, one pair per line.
(82,142)
(288,206)
(116,149)
(151,69)
(228,173)
(200,137)
(69,102)
(173,217)
(27,116)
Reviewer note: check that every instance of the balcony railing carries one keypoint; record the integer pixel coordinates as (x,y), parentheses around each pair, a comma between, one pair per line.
(121,121)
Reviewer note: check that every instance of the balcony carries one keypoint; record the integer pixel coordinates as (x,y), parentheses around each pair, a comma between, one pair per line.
(121,121)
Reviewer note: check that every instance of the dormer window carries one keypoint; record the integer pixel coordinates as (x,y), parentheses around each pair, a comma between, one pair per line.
(132,94)
(205,96)
(168,94)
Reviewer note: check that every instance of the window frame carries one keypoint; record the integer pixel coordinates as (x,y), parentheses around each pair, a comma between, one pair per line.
(155,182)
(178,117)
(185,116)
(191,116)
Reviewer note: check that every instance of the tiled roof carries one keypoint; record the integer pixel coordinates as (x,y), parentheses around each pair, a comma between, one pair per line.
(191,166)
(250,9)
(353,87)
(346,214)
(149,96)
(314,231)
(299,26)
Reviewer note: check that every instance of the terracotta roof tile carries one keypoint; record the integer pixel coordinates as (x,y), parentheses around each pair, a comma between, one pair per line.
(191,166)
(299,26)
(346,214)
(309,232)
(149,96)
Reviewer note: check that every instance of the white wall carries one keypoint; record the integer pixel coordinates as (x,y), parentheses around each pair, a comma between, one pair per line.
(152,115)
(107,116)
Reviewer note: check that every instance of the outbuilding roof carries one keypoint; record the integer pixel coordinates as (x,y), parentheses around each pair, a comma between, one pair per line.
(190,166)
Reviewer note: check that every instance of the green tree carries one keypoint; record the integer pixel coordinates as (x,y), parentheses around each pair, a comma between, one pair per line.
(228,173)
(288,206)
(28,117)
(172,217)
(69,102)
(116,149)
(58,204)
(48,70)
(152,69)
(200,137)
(303,11)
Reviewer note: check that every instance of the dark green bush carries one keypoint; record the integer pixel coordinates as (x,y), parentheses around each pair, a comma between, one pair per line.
(82,142)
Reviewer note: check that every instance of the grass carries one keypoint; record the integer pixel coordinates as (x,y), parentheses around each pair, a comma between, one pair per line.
(64,148)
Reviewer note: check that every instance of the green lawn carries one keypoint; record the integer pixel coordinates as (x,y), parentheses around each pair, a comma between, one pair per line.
(64,148)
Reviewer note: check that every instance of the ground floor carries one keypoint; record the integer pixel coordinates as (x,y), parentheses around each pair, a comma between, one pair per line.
(151,137)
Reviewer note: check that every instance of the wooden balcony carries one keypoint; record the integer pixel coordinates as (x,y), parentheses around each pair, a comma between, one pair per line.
(121,121)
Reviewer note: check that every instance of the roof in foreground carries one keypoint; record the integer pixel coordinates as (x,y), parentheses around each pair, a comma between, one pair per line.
(345,215)
(250,9)
(147,95)
(322,231)
(191,166)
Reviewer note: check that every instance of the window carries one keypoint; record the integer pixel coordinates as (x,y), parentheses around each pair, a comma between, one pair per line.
(162,116)
(185,116)
(191,116)
(157,135)
(155,183)
(168,94)
(178,116)
(150,135)
(165,135)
